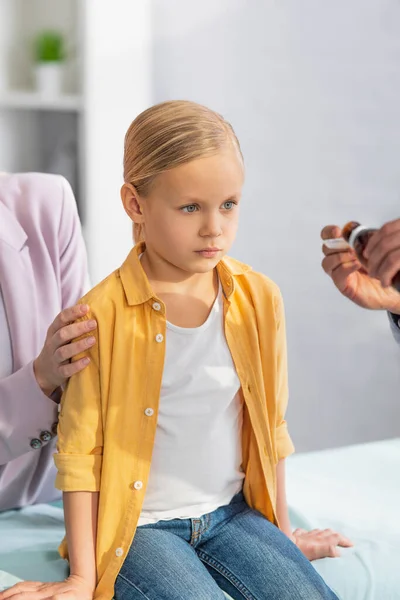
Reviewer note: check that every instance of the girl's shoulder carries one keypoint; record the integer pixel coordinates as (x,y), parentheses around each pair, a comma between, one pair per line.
(105,298)
(253,281)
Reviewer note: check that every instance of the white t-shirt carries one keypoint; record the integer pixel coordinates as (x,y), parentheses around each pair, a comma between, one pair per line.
(197,456)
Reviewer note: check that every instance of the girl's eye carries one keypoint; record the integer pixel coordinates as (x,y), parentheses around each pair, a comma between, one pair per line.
(190,209)
(229,205)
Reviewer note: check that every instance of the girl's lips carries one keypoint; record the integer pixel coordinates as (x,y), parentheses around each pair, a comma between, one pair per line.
(208,252)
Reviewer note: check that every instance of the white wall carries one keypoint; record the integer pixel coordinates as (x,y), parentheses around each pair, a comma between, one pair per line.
(313,91)
(116,40)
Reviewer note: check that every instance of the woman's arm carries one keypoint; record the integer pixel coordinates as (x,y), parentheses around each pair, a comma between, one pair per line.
(80,509)
(25,411)
(26,402)
(27,405)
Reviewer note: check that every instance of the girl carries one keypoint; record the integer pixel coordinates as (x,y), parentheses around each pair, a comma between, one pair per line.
(172,441)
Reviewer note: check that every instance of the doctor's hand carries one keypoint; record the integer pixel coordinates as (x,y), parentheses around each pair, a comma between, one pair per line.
(352,280)
(53,366)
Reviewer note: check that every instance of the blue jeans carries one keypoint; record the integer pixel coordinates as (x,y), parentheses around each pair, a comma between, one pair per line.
(234,549)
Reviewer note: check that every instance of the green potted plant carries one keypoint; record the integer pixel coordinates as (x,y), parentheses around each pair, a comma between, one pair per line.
(49,49)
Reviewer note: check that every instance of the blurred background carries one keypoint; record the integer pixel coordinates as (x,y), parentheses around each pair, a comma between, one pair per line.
(312,90)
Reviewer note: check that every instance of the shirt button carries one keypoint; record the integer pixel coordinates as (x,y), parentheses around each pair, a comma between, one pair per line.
(156,306)
(54,428)
(149,412)
(36,444)
(119,552)
(159,338)
(398,323)
(138,485)
(45,436)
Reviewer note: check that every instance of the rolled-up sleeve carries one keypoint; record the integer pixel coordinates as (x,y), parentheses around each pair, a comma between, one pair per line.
(284,444)
(80,429)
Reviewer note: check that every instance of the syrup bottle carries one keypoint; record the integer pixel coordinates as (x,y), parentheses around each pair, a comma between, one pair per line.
(358,236)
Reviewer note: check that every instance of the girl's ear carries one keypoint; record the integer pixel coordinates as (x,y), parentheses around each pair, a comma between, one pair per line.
(132,203)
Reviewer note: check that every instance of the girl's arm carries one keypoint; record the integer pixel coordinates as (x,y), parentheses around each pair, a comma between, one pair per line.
(282,511)
(80,510)
(314,544)
(79,463)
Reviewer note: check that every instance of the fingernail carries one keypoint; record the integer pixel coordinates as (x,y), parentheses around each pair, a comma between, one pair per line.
(85,361)
(84,308)
(90,340)
(92,324)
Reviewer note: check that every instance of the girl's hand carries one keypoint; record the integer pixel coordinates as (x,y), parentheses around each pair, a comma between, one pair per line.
(53,367)
(319,543)
(73,588)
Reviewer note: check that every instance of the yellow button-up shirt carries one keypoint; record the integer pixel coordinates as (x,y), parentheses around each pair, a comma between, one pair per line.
(106,434)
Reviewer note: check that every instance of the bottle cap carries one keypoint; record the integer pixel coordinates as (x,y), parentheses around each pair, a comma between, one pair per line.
(337,244)
(357,231)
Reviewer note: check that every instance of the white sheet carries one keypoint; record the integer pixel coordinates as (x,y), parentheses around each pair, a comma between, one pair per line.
(355,490)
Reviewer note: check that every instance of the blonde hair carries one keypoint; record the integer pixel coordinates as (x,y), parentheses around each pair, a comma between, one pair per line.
(168,135)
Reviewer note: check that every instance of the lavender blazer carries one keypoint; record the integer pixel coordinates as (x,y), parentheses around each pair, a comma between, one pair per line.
(43,269)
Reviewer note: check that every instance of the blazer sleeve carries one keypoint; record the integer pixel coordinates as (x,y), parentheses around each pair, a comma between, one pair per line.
(20,388)
(17,391)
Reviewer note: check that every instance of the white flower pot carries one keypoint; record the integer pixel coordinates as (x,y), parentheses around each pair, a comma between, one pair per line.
(49,79)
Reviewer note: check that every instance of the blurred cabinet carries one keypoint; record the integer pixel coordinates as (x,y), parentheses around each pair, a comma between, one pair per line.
(79,134)
(38,133)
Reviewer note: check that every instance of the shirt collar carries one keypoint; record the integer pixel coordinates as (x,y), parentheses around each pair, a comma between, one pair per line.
(228,269)
(138,289)
(134,280)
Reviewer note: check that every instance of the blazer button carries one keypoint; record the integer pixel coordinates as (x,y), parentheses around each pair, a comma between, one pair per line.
(45,436)
(36,444)
(54,428)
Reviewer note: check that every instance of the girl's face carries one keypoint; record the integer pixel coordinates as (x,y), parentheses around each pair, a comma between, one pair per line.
(190,215)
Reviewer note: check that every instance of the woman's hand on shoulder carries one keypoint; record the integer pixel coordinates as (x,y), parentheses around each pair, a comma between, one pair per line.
(53,366)
(73,588)
(320,543)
